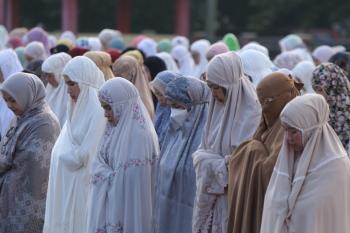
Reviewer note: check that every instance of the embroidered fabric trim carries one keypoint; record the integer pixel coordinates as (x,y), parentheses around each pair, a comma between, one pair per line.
(95,179)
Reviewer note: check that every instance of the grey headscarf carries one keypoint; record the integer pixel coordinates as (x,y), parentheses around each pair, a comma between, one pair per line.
(25,156)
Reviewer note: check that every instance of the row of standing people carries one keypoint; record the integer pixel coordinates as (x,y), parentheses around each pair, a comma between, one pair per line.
(112,177)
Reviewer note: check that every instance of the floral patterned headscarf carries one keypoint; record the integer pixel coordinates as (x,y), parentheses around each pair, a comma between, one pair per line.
(332,79)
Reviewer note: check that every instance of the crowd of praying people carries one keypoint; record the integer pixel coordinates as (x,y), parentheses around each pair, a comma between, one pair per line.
(103,135)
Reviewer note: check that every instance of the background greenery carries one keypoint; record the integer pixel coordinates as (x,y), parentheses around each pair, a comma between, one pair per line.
(265,17)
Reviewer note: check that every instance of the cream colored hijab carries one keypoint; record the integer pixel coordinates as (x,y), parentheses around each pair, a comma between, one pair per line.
(57,97)
(129,68)
(236,120)
(103,61)
(228,125)
(316,197)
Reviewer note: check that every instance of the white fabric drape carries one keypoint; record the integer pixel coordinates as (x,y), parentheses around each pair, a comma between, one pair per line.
(68,189)
(228,125)
(256,64)
(309,192)
(184,59)
(57,97)
(123,173)
(9,64)
(201,47)
(169,61)
(303,72)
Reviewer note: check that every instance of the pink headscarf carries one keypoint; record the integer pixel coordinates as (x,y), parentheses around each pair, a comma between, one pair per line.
(215,49)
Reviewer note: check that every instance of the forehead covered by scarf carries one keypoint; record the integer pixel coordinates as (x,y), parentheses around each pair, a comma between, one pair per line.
(27,89)
(84,71)
(162,79)
(215,49)
(225,69)
(187,91)
(127,66)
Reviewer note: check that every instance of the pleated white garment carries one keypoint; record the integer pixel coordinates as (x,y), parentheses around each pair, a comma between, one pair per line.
(75,148)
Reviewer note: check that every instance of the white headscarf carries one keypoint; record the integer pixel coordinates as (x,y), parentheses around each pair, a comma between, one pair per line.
(9,64)
(68,35)
(323,53)
(256,46)
(169,61)
(106,35)
(180,40)
(256,64)
(309,193)
(123,174)
(75,148)
(228,125)
(35,50)
(94,44)
(148,46)
(303,72)
(57,97)
(288,59)
(184,59)
(4,36)
(201,47)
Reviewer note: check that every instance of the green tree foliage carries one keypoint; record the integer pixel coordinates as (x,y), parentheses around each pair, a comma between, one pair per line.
(261,16)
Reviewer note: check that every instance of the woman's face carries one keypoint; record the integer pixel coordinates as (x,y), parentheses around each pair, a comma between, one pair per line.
(73,88)
(161,98)
(174,104)
(109,113)
(50,78)
(12,104)
(294,138)
(218,92)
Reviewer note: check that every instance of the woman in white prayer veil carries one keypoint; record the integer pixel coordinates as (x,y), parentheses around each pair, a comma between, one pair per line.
(183,59)
(199,50)
(169,61)
(233,117)
(309,188)
(76,146)
(123,173)
(56,89)
(9,64)
(256,64)
(303,73)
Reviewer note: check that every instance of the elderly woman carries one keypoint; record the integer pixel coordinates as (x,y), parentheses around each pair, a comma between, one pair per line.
(330,81)
(25,155)
(128,68)
(158,86)
(123,173)
(309,189)
(251,165)
(176,184)
(233,116)
(66,206)
(56,88)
